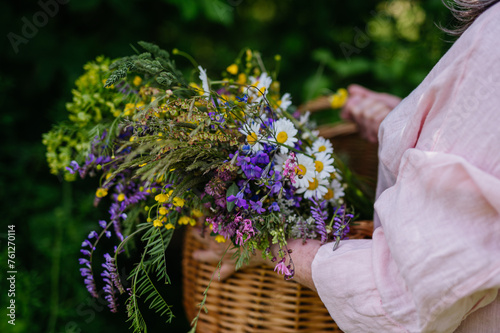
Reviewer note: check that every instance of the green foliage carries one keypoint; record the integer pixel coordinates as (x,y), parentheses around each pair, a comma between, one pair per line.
(151,268)
(232,190)
(155,63)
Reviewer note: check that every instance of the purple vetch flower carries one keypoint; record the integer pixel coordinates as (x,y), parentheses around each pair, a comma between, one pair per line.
(319,214)
(341,225)
(73,167)
(112,272)
(83,261)
(109,276)
(86,272)
(93,234)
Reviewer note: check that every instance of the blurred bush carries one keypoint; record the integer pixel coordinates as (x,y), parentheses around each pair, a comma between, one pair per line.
(386,45)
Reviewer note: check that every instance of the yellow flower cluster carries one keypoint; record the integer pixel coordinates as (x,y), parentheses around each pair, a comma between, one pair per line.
(101,192)
(163,197)
(196,213)
(339,98)
(185,220)
(220,239)
(163,211)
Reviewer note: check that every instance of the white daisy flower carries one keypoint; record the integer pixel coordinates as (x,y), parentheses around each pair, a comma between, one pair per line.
(306,135)
(259,87)
(334,192)
(304,118)
(305,171)
(204,81)
(284,133)
(316,188)
(253,136)
(324,164)
(285,102)
(322,145)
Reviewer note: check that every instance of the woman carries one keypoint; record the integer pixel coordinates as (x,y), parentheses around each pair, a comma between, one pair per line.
(433,264)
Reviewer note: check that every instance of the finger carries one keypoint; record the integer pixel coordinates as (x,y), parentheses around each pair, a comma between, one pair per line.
(373,117)
(356,89)
(226,270)
(361,109)
(207,256)
(351,102)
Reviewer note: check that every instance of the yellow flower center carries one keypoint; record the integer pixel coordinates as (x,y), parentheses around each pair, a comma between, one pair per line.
(322,148)
(313,185)
(301,170)
(282,137)
(121,197)
(319,166)
(329,194)
(252,138)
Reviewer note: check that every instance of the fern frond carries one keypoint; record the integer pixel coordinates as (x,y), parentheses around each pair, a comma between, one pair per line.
(153,261)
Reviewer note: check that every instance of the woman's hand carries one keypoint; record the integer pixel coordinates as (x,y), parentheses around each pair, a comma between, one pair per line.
(368,109)
(302,254)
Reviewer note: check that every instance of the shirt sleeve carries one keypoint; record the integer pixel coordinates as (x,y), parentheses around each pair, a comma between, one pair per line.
(435,259)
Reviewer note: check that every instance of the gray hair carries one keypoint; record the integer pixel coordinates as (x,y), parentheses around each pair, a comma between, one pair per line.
(465,11)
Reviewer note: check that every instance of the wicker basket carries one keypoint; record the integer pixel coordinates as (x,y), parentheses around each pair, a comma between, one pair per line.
(254,299)
(258,300)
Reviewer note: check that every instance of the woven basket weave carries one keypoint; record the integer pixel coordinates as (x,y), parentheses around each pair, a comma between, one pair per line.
(254,299)
(257,299)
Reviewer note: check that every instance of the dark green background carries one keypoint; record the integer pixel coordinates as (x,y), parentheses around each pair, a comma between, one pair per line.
(390,47)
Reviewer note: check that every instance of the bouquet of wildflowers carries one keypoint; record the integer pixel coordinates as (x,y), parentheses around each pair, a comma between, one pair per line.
(172,149)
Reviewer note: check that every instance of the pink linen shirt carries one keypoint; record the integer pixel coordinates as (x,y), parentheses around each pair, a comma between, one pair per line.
(433,264)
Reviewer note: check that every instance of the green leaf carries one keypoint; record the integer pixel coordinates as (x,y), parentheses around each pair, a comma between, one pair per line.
(232,190)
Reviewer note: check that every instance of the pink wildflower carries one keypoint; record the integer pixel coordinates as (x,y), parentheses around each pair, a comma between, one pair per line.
(281,268)
(239,238)
(247,227)
(290,168)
